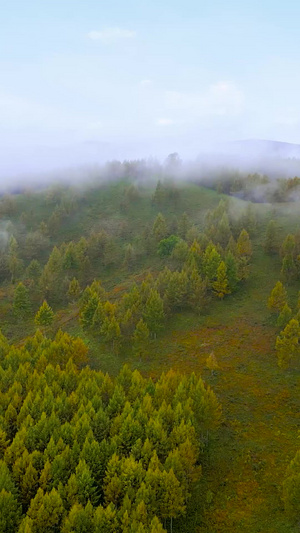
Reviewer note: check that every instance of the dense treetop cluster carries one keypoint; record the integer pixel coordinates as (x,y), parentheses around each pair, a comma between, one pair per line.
(82,452)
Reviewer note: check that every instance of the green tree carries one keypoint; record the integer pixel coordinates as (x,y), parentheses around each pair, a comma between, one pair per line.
(154,312)
(44,316)
(111,331)
(140,339)
(231,270)
(10,512)
(159,229)
(211,262)
(34,270)
(88,311)
(166,246)
(197,291)
(288,269)
(22,304)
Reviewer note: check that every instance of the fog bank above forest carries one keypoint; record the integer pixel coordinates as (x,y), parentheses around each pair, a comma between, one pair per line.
(82,163)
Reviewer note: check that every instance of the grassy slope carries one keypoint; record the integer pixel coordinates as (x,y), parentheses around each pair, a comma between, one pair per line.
(258,436)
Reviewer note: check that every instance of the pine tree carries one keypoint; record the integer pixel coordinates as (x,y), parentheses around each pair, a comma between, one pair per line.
(10,512)
(159,229)
(211,262)
(22,304)
(244,247)
(29,484)
(231,270)
(278,298)
(285,316)
(197,291)
(288,246)
(159,194)
(74,290)
(88,311)
(111,331)
(287,343)
(44,316)
(46,511)
(140,339)
(220,286)
(34,270)
(154,312)
(288,270)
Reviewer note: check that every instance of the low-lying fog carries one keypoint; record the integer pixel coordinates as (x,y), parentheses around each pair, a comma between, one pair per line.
(81,162)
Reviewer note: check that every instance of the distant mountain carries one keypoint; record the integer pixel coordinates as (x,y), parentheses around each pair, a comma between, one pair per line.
(265,148)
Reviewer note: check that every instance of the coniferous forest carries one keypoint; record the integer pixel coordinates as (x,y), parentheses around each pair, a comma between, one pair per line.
(149,354)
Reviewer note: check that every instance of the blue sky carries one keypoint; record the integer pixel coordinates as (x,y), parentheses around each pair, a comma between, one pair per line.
(154,73)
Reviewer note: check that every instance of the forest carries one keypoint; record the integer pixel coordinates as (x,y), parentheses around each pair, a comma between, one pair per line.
(149,353)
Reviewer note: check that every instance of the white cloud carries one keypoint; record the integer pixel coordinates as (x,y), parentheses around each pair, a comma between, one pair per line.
(111,35)
(222,98)
(165,122)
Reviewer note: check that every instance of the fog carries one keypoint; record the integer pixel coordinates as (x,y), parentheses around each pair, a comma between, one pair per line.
(84,163)
(86,83)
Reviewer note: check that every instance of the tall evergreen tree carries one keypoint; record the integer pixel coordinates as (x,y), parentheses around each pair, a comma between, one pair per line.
(44,316)
(22,304)
(154,312)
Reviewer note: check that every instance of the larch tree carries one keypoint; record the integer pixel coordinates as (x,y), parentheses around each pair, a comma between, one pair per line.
(278,298)
(287,343)
(210,262)
(221,285)
(22,304)
(154,312)
(159,229)
(74,290)
(284,317)
(45,315)
(140,339)
(244,253)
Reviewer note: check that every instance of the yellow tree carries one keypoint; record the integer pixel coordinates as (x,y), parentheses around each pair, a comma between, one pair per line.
(287,343)
(278,298)
(221,286)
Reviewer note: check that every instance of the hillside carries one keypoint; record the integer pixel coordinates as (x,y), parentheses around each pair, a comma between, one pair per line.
(157,275)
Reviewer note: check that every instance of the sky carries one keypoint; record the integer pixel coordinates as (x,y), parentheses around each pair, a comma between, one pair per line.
(149,76)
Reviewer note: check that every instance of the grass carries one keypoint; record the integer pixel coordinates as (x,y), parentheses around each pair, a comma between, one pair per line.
(245,462)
